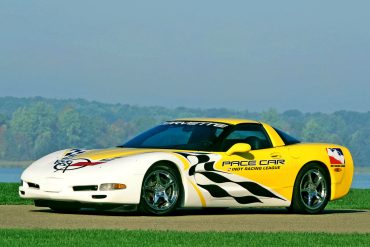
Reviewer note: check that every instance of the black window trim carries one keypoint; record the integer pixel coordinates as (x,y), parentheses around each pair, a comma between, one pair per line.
(285,141)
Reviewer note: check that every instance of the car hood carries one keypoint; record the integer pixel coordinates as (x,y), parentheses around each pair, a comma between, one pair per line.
(73,163)
(104,154)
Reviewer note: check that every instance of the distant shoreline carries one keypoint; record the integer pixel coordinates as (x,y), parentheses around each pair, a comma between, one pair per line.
(15,163)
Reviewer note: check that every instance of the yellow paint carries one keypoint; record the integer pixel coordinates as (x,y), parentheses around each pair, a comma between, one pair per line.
(111,153)
(201,197)
(219,120)
(274,137)
(184,161)
(295,156)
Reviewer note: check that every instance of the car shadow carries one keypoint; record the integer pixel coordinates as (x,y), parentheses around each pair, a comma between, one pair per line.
(202,211)
(261,211)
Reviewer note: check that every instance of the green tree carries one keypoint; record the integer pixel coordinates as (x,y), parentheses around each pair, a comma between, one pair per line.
(31,130)
(32,127)
(272,117)
(69,126)
(3,142)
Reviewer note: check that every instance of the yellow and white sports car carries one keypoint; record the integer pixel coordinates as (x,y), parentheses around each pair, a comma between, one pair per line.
(194,163)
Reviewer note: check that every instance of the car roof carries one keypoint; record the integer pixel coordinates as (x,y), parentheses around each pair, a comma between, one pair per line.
(232,121)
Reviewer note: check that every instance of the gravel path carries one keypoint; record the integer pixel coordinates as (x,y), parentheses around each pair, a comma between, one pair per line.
(336,221)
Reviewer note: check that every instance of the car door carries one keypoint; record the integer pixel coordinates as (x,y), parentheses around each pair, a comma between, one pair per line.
(247,177)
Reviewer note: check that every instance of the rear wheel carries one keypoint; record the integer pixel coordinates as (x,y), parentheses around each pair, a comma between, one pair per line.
(161,191)
(311,190)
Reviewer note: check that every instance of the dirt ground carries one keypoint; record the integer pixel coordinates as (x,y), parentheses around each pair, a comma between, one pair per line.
(336,221)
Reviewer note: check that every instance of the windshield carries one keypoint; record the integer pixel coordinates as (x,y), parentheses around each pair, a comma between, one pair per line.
(184,135)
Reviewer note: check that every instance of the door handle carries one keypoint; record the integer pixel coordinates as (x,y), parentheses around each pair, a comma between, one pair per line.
(275,155)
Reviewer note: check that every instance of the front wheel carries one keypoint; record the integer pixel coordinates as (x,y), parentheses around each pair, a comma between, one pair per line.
(311,191)
(161,191)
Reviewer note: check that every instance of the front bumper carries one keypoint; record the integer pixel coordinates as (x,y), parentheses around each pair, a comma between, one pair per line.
(63,190)
(74,205)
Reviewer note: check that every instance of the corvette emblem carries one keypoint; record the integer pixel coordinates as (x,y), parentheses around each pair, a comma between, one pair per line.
(70,162)
(67,163)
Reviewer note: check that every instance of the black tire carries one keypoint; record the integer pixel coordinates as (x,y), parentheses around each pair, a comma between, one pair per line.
(161,191)
(311,191)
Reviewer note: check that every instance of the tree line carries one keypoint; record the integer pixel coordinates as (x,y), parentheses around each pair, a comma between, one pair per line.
(33,127)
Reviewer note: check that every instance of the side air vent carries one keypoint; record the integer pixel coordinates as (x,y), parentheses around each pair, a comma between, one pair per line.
(85,188)
(33,185)
(99,196)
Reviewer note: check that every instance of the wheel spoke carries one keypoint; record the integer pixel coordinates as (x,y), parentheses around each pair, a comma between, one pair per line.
(309,199)
(305,190)
(318,196)
(157,178)
(309,177)
(156,199)
(165,197)
(169,184)
(150,188)
(319,180)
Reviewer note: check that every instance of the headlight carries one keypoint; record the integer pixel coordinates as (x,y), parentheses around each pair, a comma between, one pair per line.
(112,186)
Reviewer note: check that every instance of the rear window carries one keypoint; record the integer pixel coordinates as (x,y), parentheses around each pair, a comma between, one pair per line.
(287,139)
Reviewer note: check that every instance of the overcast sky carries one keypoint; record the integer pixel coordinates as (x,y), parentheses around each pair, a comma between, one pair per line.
(306,55)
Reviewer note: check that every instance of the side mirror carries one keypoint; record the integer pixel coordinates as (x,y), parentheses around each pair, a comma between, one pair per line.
(239,148)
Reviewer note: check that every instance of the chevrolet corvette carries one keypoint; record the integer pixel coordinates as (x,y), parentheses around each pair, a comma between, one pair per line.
(197,163)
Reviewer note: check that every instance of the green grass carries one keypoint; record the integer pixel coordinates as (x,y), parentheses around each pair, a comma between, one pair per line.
(9,195)
(356,199)
(47,237)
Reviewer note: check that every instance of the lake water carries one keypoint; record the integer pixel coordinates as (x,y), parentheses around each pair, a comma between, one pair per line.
(11,175)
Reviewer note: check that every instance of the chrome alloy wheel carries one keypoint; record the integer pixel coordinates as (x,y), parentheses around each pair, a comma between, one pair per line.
(313,189)
(160,190)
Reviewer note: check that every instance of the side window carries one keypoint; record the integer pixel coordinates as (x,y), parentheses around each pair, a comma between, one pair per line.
(287,139)
(253,134)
